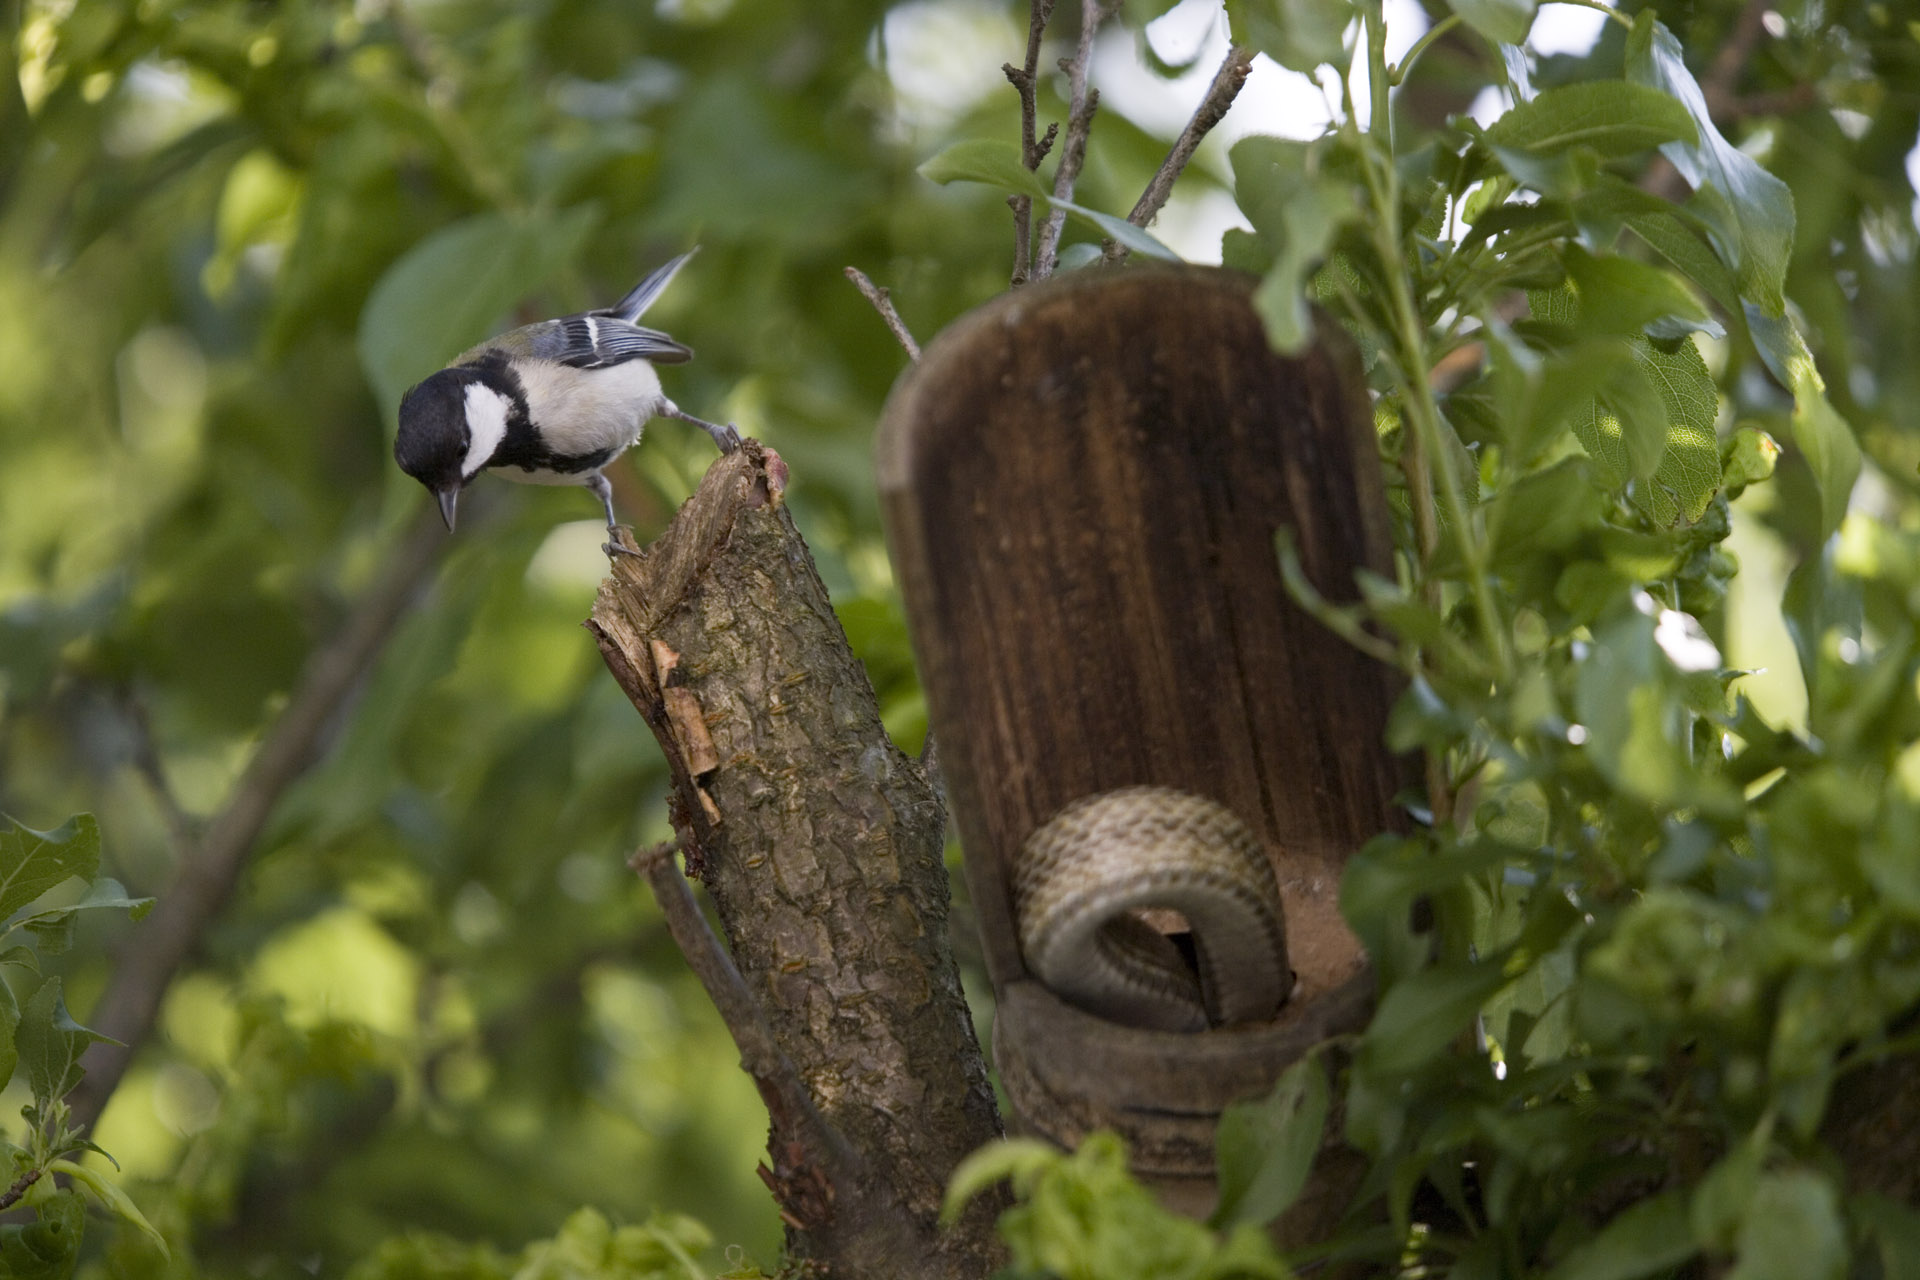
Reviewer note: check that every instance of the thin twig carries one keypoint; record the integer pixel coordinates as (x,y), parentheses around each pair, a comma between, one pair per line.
(1022,207)
(882,301)
(156,951)
(773,1072)
(11,1196)
(1025,78)
(1083,101)
(1220,95)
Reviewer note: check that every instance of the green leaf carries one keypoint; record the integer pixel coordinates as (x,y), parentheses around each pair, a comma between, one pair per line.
(1019,1159)
(1760,204)
(1501,21)
(998,164)
(1897,1229)
(9,1028)
(990,160)
(1649,1237)
(1612,117)
(1311,222)
(1545,511)
(1119,229)
(453,288)
(1689,473)
(1534,400)
(1626,427)
(1300,35)
(50,1044)
(48,1247)
(1692,256)
(1793,1230)
(1827,443)
(32,862)
(1720,1201)
(112,1198)
(1422,1013)
(1619,295)
(1266,1148)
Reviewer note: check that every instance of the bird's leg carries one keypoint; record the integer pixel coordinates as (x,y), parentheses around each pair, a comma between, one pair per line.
(726,437)
(604,491)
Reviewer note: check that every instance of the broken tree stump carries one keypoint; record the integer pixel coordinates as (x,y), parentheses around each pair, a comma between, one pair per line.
(820,844)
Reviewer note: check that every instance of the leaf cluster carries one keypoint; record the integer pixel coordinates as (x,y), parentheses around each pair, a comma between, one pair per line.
(41,1040)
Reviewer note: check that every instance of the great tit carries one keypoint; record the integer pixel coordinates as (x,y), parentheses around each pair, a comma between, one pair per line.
(548,403)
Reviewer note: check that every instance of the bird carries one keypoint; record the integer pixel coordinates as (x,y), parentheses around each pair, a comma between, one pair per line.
(548,403)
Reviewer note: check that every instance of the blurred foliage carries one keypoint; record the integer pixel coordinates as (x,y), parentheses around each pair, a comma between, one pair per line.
(438,1002)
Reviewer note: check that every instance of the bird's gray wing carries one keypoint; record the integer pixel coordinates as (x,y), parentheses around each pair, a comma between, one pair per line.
(597,339)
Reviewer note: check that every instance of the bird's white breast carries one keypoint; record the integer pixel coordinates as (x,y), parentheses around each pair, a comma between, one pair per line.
(581,411)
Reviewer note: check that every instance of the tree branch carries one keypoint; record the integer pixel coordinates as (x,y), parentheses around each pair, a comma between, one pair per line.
(1083,101)
(821,847)
(155,951)
(882,302)
(1026,79)
(1219,97)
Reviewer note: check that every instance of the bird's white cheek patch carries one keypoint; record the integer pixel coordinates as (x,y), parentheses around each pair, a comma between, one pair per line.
(486,425)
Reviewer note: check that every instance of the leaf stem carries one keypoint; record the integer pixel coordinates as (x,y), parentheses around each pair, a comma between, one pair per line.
(1424,459)
(1607,9)
(1397,74)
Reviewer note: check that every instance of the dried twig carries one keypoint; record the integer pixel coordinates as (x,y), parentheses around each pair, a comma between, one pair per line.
(882,301)
(1026,79)
(1083,101)
(1219,96)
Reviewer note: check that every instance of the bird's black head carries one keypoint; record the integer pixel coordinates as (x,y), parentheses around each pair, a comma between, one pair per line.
(434,437)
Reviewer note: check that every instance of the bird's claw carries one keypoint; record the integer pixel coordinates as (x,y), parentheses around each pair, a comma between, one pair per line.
(614,547)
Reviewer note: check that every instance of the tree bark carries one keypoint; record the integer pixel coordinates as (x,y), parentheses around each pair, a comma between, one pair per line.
(820,844)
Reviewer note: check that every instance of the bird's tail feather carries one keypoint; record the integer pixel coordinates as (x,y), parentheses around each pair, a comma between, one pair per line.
(635,304)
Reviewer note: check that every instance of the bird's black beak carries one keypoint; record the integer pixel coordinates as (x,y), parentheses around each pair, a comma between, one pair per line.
(448,498)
